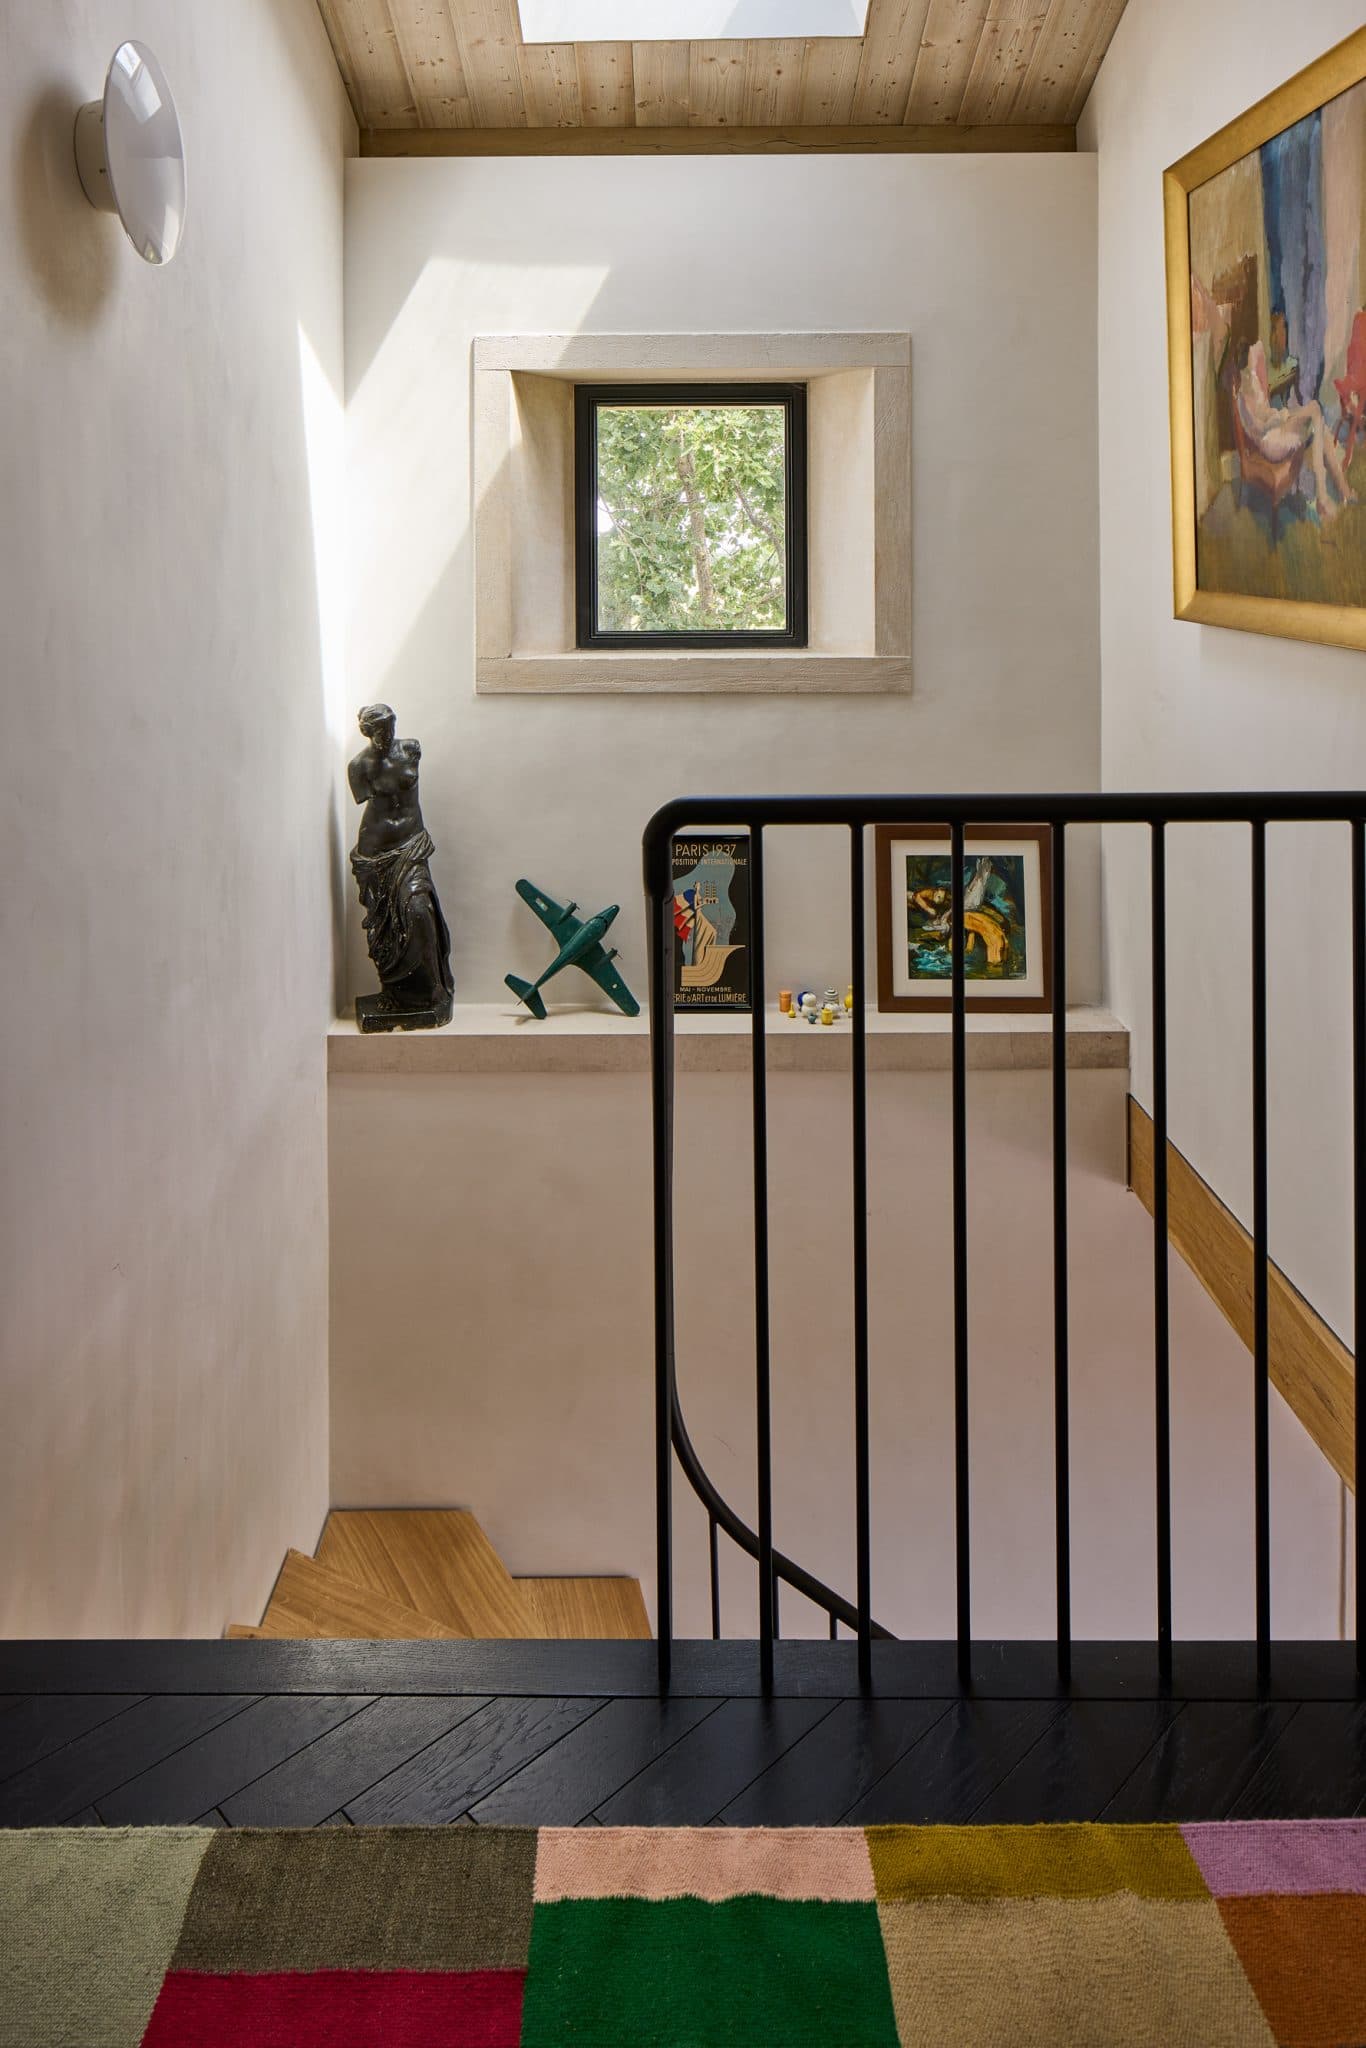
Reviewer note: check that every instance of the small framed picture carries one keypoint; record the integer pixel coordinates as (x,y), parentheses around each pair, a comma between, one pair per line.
(711,922)
(1006,918)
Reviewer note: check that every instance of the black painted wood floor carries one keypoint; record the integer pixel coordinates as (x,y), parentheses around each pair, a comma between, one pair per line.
(315,1734)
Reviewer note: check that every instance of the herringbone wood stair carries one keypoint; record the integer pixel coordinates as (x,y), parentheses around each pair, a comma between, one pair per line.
(437,1560)
(310,1600)
(397,1574)
(583,1610)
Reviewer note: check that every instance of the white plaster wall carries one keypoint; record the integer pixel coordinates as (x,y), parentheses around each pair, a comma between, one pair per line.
(170,459)
(990,265)
(1198,707)
(509,1216)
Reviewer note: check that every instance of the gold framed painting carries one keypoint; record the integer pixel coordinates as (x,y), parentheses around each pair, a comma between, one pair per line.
(1266,330)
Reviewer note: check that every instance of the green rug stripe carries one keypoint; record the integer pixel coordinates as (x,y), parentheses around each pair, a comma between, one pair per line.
(685,1973)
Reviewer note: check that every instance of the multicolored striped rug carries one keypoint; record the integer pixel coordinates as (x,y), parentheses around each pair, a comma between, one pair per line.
(465,1937)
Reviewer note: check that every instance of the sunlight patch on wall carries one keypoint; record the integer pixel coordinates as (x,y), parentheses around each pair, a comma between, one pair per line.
(408,452)
(325,450)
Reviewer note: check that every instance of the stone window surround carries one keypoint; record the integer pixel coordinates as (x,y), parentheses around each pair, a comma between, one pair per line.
(858,512)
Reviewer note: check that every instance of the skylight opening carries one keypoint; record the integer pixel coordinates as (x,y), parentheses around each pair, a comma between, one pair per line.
(659,21)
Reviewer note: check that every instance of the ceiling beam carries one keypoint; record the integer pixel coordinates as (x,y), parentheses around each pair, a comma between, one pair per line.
(938,138)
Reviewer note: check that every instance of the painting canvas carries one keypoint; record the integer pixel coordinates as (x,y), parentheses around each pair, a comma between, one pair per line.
(1270,449)
(1004,919)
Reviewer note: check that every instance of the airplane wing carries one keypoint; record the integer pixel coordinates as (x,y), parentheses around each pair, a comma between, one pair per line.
(560,921)
(596,963)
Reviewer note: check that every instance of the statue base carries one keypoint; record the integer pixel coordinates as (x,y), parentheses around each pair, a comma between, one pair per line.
(377,1013)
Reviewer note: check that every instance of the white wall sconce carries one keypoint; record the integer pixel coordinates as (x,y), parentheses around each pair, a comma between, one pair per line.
(130,154)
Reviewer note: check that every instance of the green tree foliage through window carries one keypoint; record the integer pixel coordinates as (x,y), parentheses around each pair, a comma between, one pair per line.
(691,511)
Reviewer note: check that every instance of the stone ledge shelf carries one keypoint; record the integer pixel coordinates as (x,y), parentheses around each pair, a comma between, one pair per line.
(494,1038)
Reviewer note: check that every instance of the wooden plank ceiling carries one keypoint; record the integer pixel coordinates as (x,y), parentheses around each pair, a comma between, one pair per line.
(454,76)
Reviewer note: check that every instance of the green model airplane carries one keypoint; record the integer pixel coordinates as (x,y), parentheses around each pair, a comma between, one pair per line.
(580,943)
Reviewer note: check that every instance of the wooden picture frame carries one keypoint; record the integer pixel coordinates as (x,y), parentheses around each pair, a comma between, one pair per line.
(1250,550)
(1026,937)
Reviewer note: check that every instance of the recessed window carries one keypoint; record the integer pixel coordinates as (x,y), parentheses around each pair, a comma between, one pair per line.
(637,21)
(690,515)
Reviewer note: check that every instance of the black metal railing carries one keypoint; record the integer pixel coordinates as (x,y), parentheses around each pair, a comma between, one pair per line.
(962,814)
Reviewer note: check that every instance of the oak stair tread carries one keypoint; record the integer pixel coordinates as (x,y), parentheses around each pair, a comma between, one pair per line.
(588,1609)
(435,1561)
(407,1574)
(312,1600)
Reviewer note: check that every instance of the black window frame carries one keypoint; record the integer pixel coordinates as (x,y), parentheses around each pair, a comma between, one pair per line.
(587,399)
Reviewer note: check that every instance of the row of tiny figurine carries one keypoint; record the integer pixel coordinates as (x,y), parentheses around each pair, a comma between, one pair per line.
(815,1009)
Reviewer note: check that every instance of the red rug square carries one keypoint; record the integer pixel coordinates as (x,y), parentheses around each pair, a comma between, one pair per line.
(338,2009)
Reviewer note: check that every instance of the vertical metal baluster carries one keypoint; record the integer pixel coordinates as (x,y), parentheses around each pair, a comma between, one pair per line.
(715,1580)
(662,1114)
(962,1506)
(834,1629)
(762,1392)
(1261,1355)
(777,1630)
(1061,1453)
(862,1475)
(1161,1255)
(1359,1214)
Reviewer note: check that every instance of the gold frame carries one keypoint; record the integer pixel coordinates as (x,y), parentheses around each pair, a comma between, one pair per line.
(1337,625)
